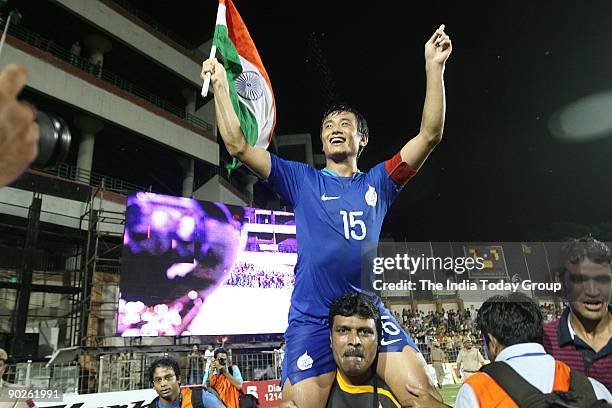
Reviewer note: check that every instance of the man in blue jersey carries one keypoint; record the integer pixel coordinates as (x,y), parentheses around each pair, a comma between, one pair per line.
(337,210)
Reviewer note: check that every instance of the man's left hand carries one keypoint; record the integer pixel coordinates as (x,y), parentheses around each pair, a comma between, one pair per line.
(216,366)
(438,47)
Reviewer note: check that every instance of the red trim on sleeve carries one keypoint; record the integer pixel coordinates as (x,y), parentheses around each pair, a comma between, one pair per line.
(400,172)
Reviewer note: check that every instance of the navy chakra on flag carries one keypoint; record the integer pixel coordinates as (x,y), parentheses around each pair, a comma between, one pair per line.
(248,85)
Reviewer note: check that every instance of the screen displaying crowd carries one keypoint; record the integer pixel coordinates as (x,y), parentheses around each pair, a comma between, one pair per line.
(184,260)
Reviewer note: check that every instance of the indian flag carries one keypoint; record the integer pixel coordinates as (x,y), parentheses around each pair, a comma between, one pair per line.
(249,84)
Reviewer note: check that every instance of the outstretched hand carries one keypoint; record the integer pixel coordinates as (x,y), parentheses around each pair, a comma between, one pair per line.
(438,47)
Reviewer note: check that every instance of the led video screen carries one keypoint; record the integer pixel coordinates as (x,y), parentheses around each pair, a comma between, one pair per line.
(204,268)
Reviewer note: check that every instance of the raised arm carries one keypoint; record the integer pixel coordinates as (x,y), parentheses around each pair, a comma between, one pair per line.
(255,158)
(437,50)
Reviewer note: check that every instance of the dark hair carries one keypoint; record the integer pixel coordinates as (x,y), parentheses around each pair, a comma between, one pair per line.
(511,319)
(353,304)
(219,350)
(362,124)
(222,350)
(577,250)
(167,362)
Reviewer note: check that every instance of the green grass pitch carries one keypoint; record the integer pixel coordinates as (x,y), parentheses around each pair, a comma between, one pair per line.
(449,393)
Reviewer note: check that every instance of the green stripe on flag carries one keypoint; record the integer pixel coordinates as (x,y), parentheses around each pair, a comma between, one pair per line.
(233,67)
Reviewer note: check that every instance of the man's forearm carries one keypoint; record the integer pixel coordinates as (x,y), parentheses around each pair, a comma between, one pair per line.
(228,123)
(235,382)
(434,108)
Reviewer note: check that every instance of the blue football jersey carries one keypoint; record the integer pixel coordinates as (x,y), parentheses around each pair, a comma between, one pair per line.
(335,216)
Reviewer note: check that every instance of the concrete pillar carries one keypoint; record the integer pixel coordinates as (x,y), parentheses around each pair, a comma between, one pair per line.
(98,45)
(249,183)
(188,174)
(89,127)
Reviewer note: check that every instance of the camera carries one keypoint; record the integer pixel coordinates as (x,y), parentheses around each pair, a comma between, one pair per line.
(222,361)
(54,139)
(54,136)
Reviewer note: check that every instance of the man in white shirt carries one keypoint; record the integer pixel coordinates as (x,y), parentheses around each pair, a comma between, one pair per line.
(513,333)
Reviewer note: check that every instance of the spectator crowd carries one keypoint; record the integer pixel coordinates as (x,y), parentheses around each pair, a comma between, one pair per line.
(249,275)
(450,328)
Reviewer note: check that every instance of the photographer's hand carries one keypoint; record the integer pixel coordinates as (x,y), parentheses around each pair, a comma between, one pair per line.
(214,365)
(18,131)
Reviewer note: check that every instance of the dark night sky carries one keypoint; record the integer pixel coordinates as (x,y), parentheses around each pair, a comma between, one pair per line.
(499,173)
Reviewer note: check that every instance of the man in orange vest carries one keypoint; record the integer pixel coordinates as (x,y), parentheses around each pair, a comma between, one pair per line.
(225,378)
(513,333)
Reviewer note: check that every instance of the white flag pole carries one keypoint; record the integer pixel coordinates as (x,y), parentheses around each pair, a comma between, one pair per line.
(8,20)
(213,51)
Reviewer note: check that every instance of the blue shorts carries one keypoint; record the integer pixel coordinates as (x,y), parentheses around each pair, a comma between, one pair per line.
(308,346)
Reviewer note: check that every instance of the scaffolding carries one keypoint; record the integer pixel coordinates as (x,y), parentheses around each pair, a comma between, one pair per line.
(39,277)
(101,268)
(100,281)
(60,272)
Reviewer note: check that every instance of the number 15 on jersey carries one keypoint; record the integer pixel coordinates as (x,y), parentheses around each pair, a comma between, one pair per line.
(353,226)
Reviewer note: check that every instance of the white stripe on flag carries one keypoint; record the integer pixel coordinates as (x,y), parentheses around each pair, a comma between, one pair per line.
(221,15)
(262,108)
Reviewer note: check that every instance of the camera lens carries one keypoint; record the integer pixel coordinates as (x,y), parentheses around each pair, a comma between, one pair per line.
(54,140)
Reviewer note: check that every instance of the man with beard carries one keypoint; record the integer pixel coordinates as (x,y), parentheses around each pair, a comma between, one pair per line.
(582,336)
(165,375)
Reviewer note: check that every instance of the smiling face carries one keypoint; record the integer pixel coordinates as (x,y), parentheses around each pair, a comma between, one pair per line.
(354,344)
(589,288)
(340,136)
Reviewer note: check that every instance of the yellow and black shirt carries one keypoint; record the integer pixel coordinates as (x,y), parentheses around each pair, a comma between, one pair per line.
(375,394)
